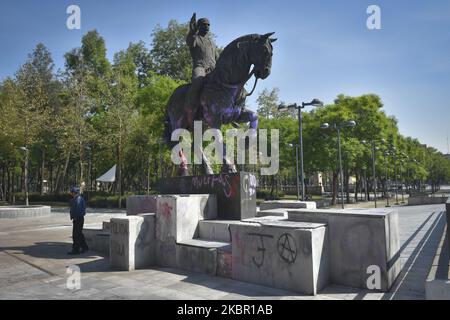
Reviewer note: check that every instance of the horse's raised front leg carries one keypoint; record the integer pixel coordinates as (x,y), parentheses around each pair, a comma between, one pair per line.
(248,116)
(206,165)
(227,165)
(198,151)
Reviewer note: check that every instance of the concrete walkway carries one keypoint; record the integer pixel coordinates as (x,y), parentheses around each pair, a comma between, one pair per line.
(33,265)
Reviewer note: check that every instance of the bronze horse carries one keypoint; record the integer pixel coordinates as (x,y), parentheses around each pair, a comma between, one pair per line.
(221,98)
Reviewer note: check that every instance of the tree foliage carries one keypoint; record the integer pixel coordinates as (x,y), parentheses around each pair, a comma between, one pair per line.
(96,113)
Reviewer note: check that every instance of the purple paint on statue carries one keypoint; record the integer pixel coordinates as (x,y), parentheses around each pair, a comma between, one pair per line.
(254,121)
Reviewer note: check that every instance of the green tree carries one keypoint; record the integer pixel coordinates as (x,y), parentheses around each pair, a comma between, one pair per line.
(170,54)
(121,113)
(142,60)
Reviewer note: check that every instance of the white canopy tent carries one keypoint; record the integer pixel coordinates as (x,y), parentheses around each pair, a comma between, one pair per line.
(109,176)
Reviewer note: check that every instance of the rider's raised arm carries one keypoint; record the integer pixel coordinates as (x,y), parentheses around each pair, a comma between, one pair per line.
(191,38)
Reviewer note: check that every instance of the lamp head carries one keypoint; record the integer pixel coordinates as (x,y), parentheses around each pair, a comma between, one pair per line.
(325,125)
(316,103)
(283,107)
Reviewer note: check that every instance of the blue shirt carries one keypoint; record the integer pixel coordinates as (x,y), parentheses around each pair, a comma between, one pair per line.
(77,207)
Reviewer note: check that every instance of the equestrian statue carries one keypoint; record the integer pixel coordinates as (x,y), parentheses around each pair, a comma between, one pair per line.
(216,96)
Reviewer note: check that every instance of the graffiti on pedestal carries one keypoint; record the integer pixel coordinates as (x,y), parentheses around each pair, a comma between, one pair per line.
(235,192)
(261,249)
(287,249)
(166,209)
(210,181)
(117,248)
(141,241)
(249,185)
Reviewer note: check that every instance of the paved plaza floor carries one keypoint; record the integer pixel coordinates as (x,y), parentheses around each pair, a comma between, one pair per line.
(33,265)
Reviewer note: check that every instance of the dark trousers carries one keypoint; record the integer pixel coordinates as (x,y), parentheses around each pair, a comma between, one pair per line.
(77,235)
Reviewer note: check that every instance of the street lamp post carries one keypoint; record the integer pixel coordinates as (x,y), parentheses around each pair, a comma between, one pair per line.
(313,103)
(374,174)
(402,162)
(338,128)
(386,188)
(148,173)
(296,168)
(409,174)
(395,157)
(401,181)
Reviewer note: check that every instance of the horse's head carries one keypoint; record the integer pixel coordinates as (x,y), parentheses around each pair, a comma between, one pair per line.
(237,58)
(261,55)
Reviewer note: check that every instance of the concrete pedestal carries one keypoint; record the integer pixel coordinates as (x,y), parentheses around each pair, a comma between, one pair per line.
(177,220)
(132,242)
(287,204)
(235,192)
(17,212)
(141,204)
(281,254)
(361,241)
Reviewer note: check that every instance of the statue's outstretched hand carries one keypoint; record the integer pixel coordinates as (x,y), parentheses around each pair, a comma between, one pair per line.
(193,23)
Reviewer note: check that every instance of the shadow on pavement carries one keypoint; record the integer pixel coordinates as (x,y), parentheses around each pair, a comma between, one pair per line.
(411,281)
(58,250)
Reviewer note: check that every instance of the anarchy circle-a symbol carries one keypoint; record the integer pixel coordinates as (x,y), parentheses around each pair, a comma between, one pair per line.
(287,249)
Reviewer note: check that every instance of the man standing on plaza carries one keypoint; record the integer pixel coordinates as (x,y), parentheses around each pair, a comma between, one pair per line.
(77,213)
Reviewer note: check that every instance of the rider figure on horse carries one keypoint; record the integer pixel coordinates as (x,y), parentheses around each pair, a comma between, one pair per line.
(204,53)
(203,50)
(217,95)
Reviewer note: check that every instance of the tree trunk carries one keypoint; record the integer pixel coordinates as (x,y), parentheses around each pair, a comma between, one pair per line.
(347,185)
(334,187)
(57,175)
(9,185)
(42,172)
(59,183)
(2,185)
(51,178)
(119,164)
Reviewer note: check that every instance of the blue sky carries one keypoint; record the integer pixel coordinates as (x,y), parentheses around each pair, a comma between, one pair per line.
(324,46)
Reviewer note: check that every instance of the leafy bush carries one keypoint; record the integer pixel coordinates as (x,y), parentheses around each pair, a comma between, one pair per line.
(266,195)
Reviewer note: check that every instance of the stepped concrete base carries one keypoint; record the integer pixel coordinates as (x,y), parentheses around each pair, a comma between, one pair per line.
(201,256)
(360,240)
(16,212)
(216,230)
(273,213)
(281,254)
(302,250)
(132,242)
(287,204)
(425,200)
(177,220)
(235,192)
(141,204)
(97,239)
(106,226)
